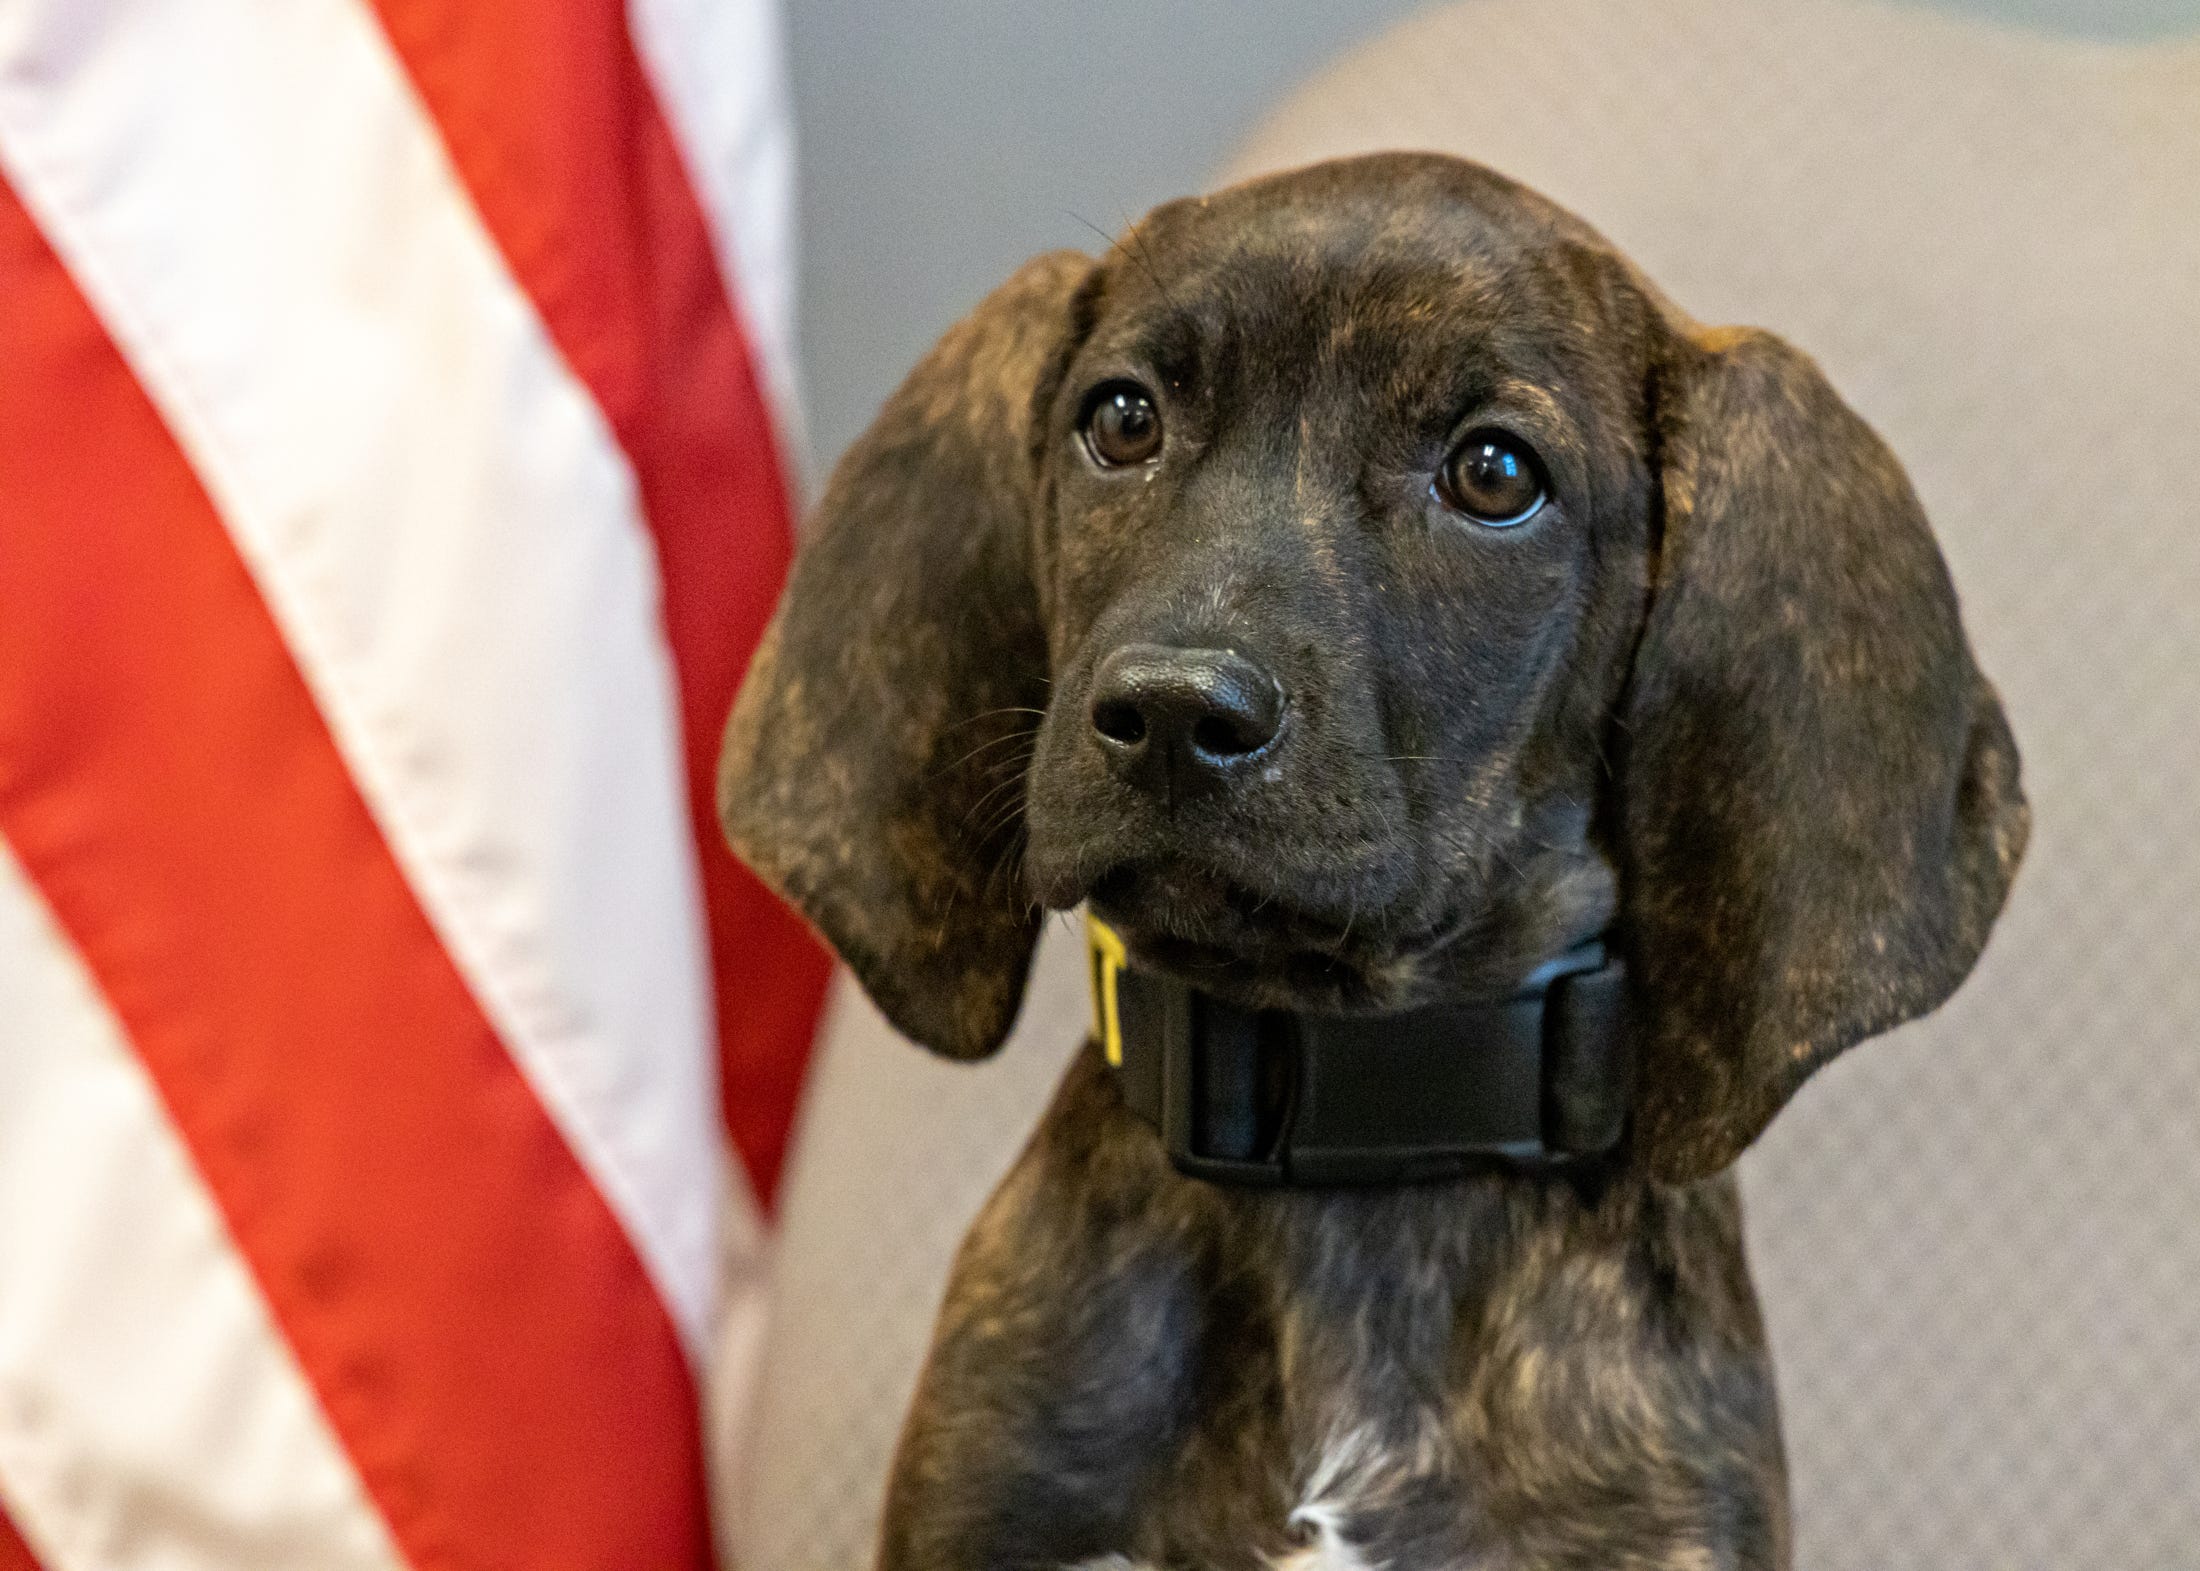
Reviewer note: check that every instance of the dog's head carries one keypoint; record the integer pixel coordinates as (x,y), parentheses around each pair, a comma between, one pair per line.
(1361,585)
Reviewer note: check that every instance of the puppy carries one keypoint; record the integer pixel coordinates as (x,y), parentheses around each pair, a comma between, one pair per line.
(1386,611)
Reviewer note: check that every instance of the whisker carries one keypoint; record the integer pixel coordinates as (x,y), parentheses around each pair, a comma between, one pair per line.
(994,768)
(1009,860)
(982,747)
(1007,813)
(978,807)
(1145,253)
(988,714)
(1138,259)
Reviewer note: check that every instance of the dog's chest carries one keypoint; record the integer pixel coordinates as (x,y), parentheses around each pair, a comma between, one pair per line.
(1396,1430)
(1135,1372)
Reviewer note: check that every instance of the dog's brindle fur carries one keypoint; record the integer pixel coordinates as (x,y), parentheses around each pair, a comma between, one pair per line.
(1714,700)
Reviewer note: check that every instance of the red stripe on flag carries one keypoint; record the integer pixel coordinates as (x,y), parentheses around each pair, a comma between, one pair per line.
(15,1555)
(556,133)
(481,1333)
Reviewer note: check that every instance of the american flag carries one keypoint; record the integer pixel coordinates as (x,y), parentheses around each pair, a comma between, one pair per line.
(394,1066)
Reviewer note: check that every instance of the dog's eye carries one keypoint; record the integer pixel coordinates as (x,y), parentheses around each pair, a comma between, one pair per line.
(1122,426)
(1492,477)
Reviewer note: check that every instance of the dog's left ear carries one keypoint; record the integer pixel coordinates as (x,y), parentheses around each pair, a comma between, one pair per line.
(1821,813)
(873,762)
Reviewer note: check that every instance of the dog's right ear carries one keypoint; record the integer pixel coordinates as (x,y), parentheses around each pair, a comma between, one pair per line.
(873,764)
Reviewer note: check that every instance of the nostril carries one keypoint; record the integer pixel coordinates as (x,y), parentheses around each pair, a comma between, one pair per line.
(1229,736)
(1119,722)
(1240,711)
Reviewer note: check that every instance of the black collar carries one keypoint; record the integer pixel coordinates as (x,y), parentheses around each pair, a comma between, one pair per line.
(1536,1080)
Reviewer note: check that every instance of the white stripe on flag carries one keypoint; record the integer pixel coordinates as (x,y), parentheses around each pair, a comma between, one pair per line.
(256,204)
(151,1416)
(718,70)
(720,78)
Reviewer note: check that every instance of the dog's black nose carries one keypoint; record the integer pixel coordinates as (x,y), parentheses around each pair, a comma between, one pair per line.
(1177,719)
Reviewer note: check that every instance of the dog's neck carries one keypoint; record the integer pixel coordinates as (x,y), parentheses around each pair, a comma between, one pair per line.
(1534,1081)
(1385,1311)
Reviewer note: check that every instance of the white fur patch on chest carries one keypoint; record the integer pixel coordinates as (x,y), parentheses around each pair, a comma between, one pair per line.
(1346,1478)
(1339,1483)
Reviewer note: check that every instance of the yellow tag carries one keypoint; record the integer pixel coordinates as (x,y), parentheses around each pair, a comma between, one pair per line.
(1107,956)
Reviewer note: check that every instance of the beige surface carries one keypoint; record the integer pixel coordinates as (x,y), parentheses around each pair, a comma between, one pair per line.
(1979,1239)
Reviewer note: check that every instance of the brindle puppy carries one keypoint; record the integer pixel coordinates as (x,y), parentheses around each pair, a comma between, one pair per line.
(1480,601)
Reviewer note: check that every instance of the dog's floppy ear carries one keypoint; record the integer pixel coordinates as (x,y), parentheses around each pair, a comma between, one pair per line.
(1820,807)
(872,764)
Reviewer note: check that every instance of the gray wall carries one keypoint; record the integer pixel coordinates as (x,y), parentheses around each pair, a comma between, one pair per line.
(944,141)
